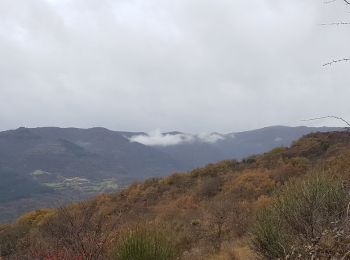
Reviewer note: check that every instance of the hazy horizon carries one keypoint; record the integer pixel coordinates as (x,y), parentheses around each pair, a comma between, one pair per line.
(158,130)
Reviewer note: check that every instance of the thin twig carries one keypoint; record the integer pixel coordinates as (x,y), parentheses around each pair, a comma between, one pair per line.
(329,2)
(336,23)
(332,1)
(336,61)
(325,117)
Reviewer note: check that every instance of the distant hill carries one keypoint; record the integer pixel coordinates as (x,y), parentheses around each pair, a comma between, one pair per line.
(204,150)
(41,166)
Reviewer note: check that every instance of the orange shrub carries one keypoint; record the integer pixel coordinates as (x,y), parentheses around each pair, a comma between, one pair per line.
(251,184)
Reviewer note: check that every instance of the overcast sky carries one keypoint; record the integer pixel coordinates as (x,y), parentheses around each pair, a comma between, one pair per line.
(188,65)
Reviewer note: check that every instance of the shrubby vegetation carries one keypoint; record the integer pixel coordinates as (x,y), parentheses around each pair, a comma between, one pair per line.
(301,217)
(146,243)
(288,203)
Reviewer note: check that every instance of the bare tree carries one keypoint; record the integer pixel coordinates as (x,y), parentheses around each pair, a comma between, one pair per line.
(77,232)
(219,218)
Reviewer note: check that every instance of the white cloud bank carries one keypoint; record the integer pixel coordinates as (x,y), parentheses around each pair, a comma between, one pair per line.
(210,138)
(156,138)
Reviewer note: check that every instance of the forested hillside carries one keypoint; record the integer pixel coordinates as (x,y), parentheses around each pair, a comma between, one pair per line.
(286,203)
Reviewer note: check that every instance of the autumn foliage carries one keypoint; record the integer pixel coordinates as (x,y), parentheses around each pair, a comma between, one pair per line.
(226,210)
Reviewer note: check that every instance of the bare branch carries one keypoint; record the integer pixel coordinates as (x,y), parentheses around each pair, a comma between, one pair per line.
(332,1)
(329,2)
(336,23)
(326,117)
(336,61)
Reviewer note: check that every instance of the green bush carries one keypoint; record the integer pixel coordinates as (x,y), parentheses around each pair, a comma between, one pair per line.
(301,212)
(270,238)
(145,244)
(309,206)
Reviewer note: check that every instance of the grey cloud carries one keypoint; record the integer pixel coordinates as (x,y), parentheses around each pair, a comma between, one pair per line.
(193,65)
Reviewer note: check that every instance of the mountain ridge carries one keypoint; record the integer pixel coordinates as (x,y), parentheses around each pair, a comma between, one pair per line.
(50,163)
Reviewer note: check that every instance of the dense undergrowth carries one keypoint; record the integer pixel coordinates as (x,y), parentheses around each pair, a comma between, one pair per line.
(288,203)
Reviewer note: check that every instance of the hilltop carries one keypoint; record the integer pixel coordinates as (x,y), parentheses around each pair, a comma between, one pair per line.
(208,212)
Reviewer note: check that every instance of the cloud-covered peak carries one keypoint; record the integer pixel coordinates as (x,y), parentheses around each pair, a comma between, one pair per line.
(210,138)
(156,138)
